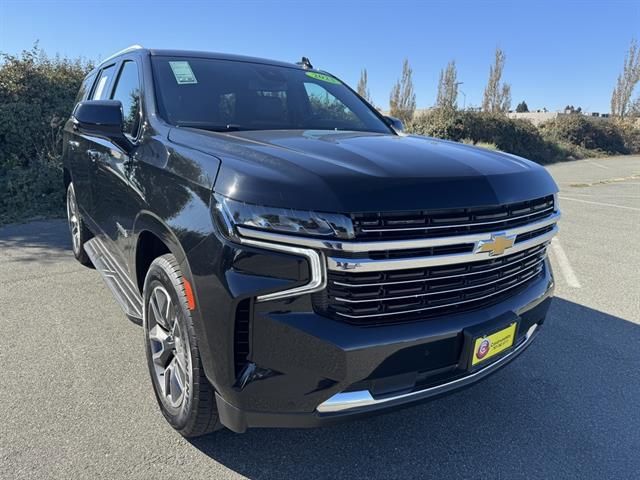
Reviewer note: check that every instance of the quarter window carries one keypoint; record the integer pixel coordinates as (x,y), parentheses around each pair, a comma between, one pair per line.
(100,92)
(83,93)
(127,90)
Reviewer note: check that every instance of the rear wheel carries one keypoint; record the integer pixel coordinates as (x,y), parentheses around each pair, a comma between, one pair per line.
(79,231)
(184,394)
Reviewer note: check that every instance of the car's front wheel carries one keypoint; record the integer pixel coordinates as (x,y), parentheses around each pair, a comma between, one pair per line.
(184,394)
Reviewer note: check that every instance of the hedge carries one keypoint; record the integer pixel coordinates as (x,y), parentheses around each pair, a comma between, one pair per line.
(36,96)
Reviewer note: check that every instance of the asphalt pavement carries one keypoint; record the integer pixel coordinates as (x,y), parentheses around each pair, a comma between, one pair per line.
(77,401)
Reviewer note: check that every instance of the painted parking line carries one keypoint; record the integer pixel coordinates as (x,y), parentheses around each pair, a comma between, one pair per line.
(602,204)
(596,164)
(566,270)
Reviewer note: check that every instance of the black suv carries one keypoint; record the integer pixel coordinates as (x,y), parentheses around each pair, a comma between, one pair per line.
(294,258)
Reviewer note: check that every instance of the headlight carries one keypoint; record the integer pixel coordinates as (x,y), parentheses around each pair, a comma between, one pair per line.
(283,220)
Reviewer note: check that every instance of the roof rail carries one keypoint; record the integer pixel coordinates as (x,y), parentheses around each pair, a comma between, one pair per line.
(125,50)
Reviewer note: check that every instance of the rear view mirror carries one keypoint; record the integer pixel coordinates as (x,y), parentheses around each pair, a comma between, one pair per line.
(102,118)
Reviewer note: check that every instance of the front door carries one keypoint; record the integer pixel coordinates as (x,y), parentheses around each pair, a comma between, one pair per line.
(115,197)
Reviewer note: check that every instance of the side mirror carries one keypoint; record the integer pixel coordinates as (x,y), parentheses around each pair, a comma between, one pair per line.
(102,118)
(395,123)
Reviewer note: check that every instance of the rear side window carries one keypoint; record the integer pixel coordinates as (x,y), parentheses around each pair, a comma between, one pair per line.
(100,92)
(127,90)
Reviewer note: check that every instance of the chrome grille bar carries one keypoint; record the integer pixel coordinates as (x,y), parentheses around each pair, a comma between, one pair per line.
(458,289)
(371,265)
(444,277)
(422,309)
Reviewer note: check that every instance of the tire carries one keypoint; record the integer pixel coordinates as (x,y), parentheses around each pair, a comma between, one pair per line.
(80,234)
(185,396)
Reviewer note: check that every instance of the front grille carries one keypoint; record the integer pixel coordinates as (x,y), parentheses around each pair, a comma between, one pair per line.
(450,222)
(403,295)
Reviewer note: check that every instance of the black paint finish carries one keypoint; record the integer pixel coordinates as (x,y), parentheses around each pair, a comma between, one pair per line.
(161,187)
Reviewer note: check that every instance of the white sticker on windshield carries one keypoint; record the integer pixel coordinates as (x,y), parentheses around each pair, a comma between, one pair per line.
(183,73)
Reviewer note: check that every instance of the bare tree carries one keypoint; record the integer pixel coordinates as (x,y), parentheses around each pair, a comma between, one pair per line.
(497,96)
(448,87)
(627,81)
(363,87)
(402,101)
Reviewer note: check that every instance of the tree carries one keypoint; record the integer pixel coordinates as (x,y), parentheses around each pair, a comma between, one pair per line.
(522,107)
(448,87)
(497,96)
(570,109)
(363,87)
(402,101)
(627,81)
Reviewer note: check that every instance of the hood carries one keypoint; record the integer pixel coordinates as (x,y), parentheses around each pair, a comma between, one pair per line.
(363,172)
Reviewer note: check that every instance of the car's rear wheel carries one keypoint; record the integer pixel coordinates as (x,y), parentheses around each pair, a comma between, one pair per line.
(79,231)
(184,394)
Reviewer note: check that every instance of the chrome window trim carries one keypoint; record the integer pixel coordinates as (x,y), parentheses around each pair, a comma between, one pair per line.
(345,401)
(371,265)
(393,244)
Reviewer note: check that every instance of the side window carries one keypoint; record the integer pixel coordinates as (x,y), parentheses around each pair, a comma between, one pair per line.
(85,88)
(325,106)
(127,90)
(100,92)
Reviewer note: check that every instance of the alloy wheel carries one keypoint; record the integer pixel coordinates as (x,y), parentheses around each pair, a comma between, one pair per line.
(73,217)
(170,351)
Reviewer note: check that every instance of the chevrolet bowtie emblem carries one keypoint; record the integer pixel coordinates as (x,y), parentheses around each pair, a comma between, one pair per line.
(497,245)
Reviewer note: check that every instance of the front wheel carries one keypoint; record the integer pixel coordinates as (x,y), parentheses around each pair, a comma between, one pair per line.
(184,394)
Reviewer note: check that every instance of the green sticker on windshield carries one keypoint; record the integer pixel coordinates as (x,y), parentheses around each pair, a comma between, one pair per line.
(183,73)
(323,77)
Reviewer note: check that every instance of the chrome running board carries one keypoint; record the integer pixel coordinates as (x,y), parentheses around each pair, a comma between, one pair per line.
(116,278)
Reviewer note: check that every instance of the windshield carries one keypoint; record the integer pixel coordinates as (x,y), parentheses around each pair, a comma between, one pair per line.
(226,95)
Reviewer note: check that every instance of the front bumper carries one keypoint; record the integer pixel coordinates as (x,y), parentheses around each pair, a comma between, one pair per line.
(304,369)
(357,404)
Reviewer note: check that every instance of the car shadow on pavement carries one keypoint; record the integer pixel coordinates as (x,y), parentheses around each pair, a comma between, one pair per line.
(567,408)
(40,241)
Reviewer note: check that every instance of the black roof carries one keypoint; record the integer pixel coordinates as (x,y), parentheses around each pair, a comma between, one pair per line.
(199,54)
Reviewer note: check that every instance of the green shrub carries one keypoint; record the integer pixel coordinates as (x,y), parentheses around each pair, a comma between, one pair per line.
(602,136)
(485,145)
(630,131)
(36,97)
(519,137)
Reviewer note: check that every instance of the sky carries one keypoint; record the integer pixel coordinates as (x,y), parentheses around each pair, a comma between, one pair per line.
(558,52)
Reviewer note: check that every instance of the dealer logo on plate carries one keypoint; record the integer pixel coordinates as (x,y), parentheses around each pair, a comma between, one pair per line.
(483,348)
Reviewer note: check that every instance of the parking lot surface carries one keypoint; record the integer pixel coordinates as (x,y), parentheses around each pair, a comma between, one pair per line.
(77,401)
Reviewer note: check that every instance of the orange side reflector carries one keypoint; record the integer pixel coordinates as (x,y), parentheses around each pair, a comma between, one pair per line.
(188,291)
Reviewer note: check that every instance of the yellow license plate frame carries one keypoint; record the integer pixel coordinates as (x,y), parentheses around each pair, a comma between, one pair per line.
(489,346)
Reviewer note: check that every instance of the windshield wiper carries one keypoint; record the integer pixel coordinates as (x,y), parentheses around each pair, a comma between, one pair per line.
(228,127)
